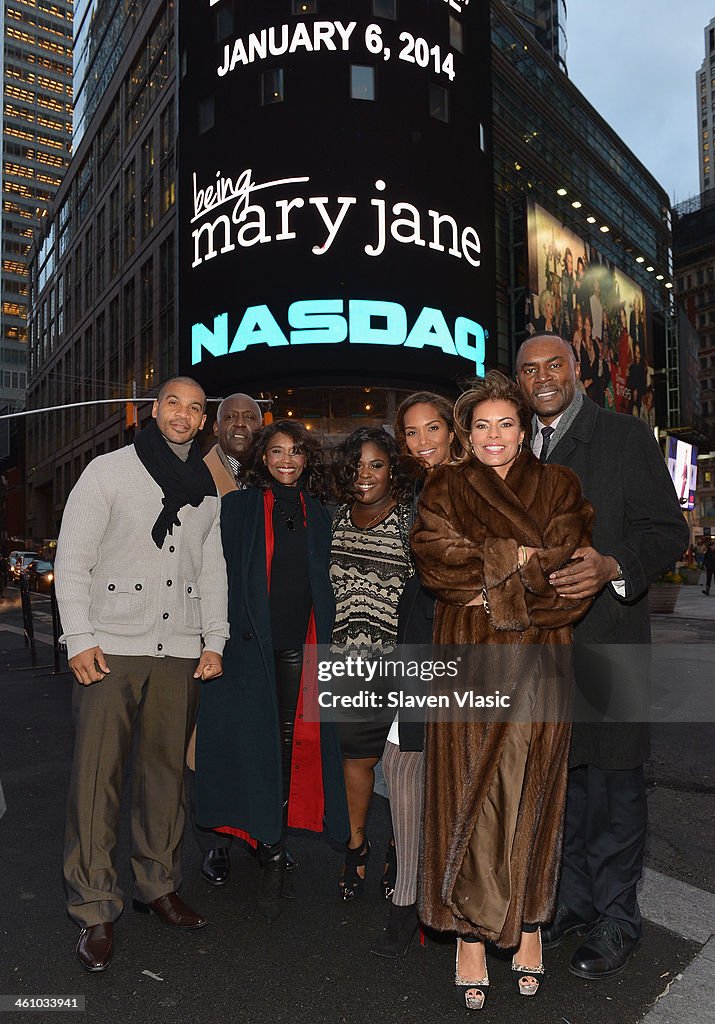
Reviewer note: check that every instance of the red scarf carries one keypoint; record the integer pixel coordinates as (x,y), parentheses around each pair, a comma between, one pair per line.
(306,801)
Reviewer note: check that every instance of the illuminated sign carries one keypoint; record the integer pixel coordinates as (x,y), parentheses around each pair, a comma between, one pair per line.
(343,155)
(333,321)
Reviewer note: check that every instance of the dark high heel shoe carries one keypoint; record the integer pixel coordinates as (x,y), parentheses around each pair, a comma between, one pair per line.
(397,935)
(528,979)
(472,994)
(352,884)
(273,872)
(389,872)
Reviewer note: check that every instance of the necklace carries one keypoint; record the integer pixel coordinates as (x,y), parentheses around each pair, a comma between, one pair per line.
(380,515)
(290,524)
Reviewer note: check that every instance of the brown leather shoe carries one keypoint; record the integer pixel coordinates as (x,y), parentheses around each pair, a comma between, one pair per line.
(95,946)
(171,910)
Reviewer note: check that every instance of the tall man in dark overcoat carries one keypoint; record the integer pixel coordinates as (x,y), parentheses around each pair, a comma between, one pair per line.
(639,531)
(238,417)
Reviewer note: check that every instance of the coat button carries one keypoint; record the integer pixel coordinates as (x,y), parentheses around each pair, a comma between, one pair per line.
(111,587)
(248,636)
(137,586)
(188,590)
(168,583)
(165,615)
(160,647)
(172,549)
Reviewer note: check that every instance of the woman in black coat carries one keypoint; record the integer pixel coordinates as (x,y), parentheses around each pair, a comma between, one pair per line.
(264,760)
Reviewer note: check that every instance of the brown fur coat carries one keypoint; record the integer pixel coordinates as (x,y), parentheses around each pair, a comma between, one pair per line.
(495,790)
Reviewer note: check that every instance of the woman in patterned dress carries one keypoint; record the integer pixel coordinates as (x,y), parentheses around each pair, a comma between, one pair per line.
(370,562)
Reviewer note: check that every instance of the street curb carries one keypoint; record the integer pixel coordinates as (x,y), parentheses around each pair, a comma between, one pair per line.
(690,997)
(677,906)
(690,912)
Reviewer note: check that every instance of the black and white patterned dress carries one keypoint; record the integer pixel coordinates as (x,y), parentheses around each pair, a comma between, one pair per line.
(368,570)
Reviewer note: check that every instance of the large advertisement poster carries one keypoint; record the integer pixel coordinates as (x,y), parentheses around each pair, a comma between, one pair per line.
(683,468)
(335,205)
(597,308)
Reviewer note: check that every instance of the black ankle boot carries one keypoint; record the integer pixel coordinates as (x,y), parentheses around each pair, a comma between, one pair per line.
(273,871)
(397,935)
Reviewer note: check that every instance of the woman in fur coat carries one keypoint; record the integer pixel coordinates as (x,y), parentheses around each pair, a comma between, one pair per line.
(490,530)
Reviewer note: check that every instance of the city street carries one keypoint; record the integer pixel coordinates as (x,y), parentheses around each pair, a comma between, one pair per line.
(313,964)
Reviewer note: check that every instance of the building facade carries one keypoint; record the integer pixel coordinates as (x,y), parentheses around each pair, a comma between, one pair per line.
(705,93)
(694,248)
(36,131)
(104,283)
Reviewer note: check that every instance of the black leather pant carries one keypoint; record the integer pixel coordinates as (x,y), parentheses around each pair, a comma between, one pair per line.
(288,666)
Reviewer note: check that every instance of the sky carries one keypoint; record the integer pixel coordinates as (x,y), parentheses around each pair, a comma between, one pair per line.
(635,61)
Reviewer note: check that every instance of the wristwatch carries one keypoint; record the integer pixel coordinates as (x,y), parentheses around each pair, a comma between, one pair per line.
(619,577)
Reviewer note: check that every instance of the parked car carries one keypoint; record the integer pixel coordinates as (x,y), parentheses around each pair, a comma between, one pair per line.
(40,575)
(18,562)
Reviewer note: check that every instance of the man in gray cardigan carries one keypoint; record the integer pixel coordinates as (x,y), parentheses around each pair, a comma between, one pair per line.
(141,582)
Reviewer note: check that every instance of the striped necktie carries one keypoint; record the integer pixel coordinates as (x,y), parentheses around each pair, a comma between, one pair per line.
(546,433)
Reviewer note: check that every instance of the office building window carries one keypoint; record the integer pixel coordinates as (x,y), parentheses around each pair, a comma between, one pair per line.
(207,117)
(362,82)
(272,86)
(385,9)
(439,103)
(456,34)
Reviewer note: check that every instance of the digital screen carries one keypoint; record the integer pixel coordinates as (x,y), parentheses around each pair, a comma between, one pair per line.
(683,469)
(335,193)
(598,309)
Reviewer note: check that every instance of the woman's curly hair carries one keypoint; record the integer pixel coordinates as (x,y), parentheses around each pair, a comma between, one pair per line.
(313,478)
(346,455)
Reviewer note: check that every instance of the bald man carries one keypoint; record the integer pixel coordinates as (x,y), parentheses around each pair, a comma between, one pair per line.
(639,531)
(237,419)
(142,592)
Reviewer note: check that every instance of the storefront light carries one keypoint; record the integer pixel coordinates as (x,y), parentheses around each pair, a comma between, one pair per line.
(591,220)
(576,205)
(561,192)
(605,228)
(640,259)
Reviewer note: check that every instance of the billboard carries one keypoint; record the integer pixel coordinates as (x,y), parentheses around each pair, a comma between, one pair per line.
(596,307)
(335,192)
(683,468)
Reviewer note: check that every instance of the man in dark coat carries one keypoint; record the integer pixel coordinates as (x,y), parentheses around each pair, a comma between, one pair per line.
(237,419)
(639,531)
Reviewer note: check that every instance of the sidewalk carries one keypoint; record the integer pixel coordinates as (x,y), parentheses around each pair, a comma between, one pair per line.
(313,964)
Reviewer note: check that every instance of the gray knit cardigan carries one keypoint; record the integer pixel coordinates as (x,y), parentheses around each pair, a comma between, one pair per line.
(116,589)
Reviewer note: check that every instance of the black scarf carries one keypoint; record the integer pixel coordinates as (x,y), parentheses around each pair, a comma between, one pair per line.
(183,483)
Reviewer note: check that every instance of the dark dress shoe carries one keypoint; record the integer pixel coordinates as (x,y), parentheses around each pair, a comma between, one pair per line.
(605,953)
(216,866)
(172,911)
(95,946)
(565,923)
